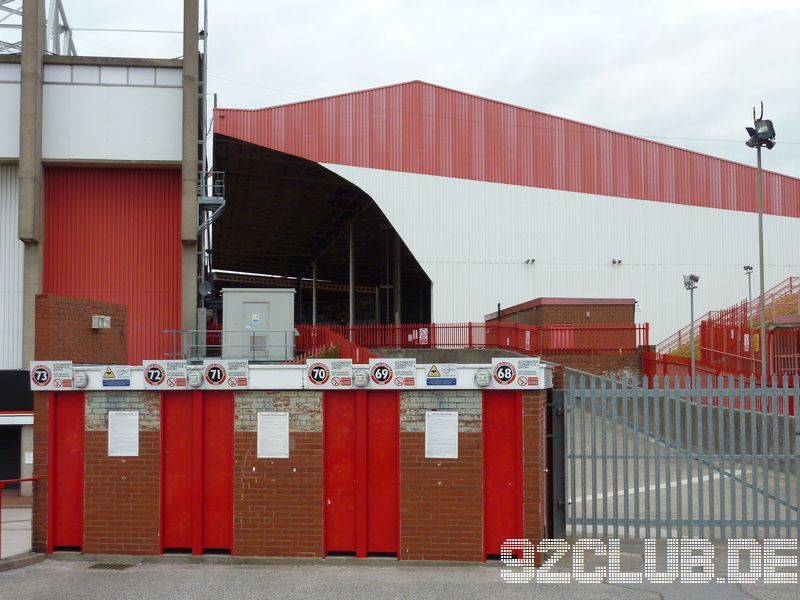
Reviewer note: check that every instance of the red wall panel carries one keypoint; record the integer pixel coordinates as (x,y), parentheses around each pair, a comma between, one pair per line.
(114,235)
(340,471)
(417,127)
(383,483)
(218,470)
(176,429)
(502,468)
(67,439)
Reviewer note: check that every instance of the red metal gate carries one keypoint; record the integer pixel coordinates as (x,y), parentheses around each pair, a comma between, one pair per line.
(197,471)
(362,465)
(502,468)
(66,453)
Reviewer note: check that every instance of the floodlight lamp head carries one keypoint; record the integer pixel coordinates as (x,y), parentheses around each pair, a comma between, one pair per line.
(748,269)
(690,281)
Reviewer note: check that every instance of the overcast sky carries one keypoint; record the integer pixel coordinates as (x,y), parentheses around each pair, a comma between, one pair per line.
(658,69)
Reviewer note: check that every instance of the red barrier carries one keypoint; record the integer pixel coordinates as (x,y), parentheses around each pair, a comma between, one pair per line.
(526,339)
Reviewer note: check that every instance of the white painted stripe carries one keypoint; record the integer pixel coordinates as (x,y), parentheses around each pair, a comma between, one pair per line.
(663,486)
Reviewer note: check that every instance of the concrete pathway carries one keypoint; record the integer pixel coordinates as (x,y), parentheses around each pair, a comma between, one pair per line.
(65,579)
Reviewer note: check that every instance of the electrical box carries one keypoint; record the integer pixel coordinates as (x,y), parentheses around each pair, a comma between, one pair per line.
(258,324)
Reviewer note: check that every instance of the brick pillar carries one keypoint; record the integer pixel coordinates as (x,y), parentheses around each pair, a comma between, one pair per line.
(122,494)
(534,463)
(277,507)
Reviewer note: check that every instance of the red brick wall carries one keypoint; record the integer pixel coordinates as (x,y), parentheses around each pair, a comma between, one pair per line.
(64,331)
(605,365)
(41,426)
(441,500)
(573,313)
(277,503)
(277,506)
(122,497)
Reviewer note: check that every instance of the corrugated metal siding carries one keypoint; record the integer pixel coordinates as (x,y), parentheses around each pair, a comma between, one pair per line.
(11,265)
(114,235)
(421,128)
(472,239)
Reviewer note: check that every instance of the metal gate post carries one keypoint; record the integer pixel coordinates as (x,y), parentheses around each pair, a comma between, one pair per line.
(558,475)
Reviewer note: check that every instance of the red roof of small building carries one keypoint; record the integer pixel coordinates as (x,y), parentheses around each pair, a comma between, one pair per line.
(518,308)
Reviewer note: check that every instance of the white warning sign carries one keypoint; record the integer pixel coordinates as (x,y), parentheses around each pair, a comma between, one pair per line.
(51,375)
(516,373)
(393,372)
(225,374)
(164,374)
(329,373)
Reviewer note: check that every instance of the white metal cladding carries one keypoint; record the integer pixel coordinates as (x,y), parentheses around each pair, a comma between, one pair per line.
(9,122)
(11,264)
(112,122)
(472,238)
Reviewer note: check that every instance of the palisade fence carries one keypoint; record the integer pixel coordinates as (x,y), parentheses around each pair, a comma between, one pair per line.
(663,458)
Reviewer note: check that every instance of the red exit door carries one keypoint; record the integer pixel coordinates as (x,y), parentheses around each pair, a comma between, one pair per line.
(362,457)
(502,468)
(66,471)
(197,471)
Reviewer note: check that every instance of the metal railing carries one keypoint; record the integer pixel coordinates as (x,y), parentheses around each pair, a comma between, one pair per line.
(3,484)
(323,342)
(779,301)
(665,459)
(257,346)
(526,339)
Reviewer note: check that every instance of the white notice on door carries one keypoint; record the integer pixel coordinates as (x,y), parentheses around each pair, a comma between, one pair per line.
(123,433)
(273,435)
(441,434)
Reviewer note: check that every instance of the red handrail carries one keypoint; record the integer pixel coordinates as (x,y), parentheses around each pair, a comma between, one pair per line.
(3,483)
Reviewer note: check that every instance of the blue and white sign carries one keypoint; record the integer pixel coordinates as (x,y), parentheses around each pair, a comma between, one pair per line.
(442,374)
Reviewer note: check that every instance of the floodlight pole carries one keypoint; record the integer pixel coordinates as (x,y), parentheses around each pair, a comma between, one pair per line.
(691,327)
(750,299)
(762,339)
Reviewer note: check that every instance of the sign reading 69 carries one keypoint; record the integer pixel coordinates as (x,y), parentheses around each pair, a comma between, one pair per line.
(381,373)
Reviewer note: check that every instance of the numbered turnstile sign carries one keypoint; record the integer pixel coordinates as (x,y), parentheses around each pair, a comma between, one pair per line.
(225,373)
(164,374)
(51,375)
(516,373)
(392,372)
(329,373)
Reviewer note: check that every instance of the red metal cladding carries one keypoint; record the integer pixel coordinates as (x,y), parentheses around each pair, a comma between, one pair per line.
(67,442)
(176,431)
(502,469)
(114,235)
(340,471)
(362,461)
(218,470)
(417,127)
(383,460)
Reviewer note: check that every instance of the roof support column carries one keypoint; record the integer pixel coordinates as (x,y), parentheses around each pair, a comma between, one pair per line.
(352,280)
(397,279)
(31,172)
(314,293)
(189,165)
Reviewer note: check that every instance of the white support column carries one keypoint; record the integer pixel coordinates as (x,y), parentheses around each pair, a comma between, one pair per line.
(397,279)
